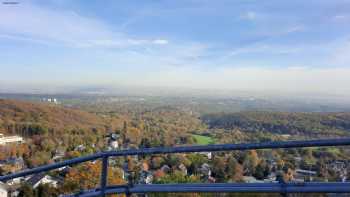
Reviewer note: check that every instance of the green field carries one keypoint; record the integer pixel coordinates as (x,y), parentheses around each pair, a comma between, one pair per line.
(203,140)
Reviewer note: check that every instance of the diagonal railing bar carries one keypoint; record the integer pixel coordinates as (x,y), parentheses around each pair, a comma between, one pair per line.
(224,187)
(49,167)
(231,147)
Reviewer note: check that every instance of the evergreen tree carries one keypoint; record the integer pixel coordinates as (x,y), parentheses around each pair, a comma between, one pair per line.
(26,191)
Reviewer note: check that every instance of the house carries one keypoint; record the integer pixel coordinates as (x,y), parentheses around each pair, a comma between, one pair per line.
(271,178)
(251,179)
(113,145)
(211,179)
(285,136)
(14,161)
(12,164)
(50,100)
(165,169)
(114,136)
(205,169)
(146,177)
(15,181)
(183,169)
(298,159)
(42,178)
(62,171)
(338,166)
(10,139)
(306,172)
(3,190)
(207,154)
(305,175)
(80,148)
(269,181)
(59,154)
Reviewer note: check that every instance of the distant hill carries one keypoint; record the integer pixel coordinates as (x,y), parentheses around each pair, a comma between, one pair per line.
(29,118)
(303,124)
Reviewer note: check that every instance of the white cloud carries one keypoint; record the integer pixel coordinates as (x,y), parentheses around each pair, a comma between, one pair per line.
(30,23)
(249,15)
(38,23)
(23,38)
(265,49)
(155,61)
(160,41)
(296,28)
(341,18)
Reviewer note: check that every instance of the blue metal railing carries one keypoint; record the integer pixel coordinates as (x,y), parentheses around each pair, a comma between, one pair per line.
(332,187)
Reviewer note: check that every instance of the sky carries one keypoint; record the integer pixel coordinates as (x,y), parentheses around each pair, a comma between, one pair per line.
(295,46)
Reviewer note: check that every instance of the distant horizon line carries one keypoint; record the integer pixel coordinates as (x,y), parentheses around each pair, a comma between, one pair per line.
(166,91)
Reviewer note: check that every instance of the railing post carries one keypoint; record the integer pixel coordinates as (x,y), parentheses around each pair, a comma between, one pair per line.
(130,183)
(282,182)
(104,174)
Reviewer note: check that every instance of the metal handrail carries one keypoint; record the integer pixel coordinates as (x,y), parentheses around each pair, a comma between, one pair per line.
(315,187)
(224,187)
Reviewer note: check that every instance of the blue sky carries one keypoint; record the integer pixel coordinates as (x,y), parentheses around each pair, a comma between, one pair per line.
(297,46)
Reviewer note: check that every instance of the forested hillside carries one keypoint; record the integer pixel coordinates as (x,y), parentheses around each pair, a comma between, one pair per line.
(26,118)
(48,128)
(54,133)
(304,124)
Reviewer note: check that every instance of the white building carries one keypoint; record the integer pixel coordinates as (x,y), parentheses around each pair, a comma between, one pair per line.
(183,169)
(80,148)
(302,175)
(10,139)
(207,154)
(205,169)
(146,177)
(3,190)
(251,179)
(38,179)
(50,100)
(114,144)
(15,181)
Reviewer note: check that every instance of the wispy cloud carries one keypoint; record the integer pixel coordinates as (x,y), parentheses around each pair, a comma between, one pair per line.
(31,23)
(265,49)
(248,45)
(24,39)
(160,41)
(296,28)
(341,17)
(249,15)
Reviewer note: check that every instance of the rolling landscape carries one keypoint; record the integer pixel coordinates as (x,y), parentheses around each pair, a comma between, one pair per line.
(54,132)
(158,98)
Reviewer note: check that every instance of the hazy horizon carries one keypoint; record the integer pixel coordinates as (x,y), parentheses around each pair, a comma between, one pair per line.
(274,47)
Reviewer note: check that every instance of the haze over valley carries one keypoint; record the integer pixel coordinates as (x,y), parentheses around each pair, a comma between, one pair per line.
(90,79)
